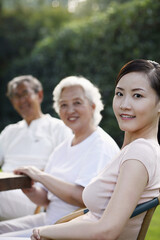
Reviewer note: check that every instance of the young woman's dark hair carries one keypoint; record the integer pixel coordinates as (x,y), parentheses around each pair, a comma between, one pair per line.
(159,132)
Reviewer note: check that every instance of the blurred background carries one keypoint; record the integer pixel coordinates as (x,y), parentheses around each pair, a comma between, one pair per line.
(92,38)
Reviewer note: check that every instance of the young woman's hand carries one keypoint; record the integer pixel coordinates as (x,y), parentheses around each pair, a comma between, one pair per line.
(35,235)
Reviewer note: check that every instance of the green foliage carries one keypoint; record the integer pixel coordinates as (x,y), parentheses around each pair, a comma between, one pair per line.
(90,7)
(21,29)
(98,48)
(95,47)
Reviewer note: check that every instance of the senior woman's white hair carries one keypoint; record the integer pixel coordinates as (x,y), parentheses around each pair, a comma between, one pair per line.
(91,92)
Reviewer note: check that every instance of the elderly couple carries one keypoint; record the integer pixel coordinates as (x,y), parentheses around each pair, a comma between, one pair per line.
(73,176)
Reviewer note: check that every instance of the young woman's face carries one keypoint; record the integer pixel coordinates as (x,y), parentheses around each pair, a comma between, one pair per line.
(135,104)
(75,109)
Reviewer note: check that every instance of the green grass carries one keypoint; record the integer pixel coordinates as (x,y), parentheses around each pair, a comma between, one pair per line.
(154,228)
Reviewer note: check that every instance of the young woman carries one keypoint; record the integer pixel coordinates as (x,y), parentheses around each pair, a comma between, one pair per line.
(133,177)
(73,163)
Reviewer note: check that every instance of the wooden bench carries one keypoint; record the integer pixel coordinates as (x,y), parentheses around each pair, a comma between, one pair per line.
(9,181)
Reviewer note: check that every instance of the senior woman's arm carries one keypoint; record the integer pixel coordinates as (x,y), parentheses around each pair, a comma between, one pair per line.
(68,192)
(38,195)
(131,182)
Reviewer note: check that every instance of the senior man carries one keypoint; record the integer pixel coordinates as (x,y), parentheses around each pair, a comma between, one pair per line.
(27,142)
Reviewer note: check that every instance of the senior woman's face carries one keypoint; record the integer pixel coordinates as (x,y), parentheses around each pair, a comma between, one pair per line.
(75,109)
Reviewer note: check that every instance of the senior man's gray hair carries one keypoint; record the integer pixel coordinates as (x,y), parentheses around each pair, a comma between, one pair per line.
(34,83)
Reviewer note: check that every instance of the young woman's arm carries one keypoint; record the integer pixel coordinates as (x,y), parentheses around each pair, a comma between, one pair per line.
(132,180)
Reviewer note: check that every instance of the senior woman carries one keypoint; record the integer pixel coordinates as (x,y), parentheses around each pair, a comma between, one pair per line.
(74,162)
